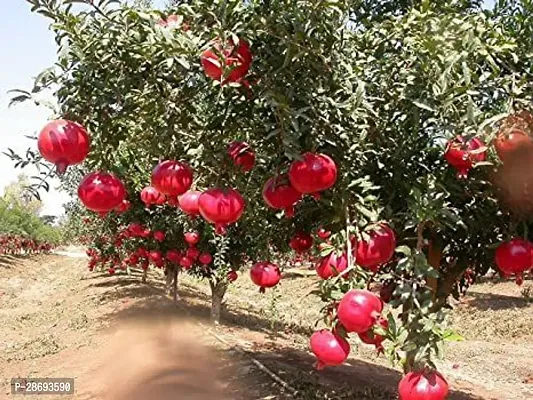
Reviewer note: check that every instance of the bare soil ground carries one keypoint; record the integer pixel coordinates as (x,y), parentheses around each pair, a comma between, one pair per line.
(59,320)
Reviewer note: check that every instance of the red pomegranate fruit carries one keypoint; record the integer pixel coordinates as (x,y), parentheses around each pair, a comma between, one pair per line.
(221,207)
(278,193)
(330,348)
(231,61)
(242,155)
(174,256)
(265,275)
(461,154)
(192,238)
(172,178)
(313,174)
(123,207)
(232,276)
(331,265)
(63,143)
(323,233)
(159,236)
(301,242)
(423,385)
(514,257)
(101,192)
(359,310)
(151,196)
(369,337)
(192,253)
(511,143)
(376,250)
(205,258)
(188,203)
(186,262)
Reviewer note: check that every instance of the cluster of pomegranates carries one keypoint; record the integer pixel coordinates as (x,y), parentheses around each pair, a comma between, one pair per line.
(359,311)
(16,245)
(513,137)
(374,249)
(148,251)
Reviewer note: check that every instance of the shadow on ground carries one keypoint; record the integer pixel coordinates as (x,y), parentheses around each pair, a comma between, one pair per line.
(491,301)
(355,380)
(7,261)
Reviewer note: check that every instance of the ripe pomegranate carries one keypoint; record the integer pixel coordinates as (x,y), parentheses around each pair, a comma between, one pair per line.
(101,192)
(377,250)
(278,193)
(369,337)
(330,348)
(188,202)
(510,143)
(233,65)
(359,310)
(265,275)
(192,238)
(221,207)
(174,256)
(156,256)
(172,178)
(232,276)
(150,196)
(63,143)
(322,233)
(423,385)
(331,265)
(301,242)
(514,257)
(313,174)
(186,262)
(123,207)
(459,154)
(159,236)
(192,253)
(242,155)
(205,258)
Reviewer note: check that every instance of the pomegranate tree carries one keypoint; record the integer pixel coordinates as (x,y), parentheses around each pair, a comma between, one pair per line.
(364,132)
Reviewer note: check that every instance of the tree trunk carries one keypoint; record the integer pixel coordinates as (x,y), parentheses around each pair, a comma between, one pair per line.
(145,274)
(218,290)
(175,273)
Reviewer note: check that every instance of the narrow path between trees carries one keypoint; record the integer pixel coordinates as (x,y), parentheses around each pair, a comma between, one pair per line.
(57,319)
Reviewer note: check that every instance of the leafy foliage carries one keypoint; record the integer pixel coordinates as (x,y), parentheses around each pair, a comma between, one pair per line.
(377,85)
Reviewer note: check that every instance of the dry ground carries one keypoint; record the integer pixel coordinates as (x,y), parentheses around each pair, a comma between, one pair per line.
(59,320)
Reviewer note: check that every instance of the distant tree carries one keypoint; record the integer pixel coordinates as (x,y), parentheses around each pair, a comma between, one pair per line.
(16,194)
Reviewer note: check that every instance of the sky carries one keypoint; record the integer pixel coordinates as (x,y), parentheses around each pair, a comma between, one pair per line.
(27,47)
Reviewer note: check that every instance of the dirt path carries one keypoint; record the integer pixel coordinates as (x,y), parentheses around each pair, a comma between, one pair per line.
(59,320)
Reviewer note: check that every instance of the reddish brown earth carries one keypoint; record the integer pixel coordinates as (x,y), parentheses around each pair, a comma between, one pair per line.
(119,338)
